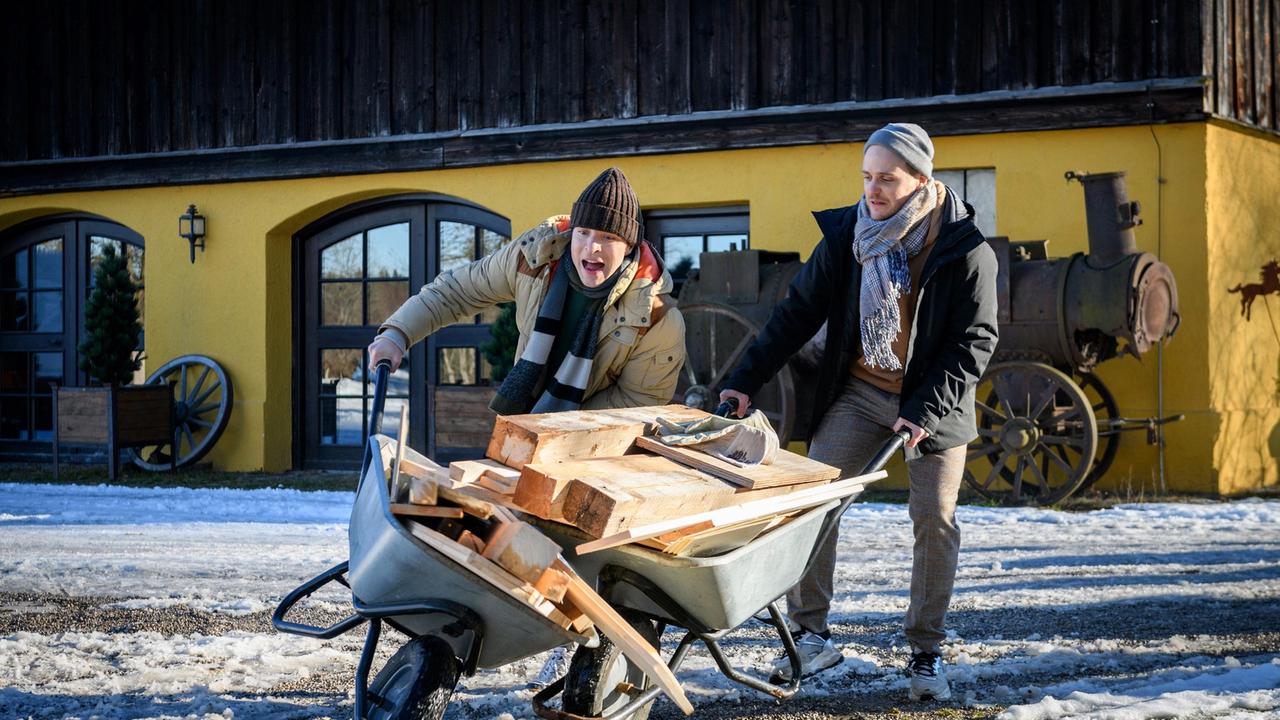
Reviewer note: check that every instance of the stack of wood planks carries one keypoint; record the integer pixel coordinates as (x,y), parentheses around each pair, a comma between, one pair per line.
(603,472)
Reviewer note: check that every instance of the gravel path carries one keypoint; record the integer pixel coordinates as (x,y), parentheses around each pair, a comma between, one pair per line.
(1222,628)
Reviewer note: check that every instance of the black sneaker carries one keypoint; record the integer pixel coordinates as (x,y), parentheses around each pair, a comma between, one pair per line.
(928,677)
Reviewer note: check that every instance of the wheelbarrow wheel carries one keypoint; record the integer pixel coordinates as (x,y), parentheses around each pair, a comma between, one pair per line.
(416,683)
(602,679)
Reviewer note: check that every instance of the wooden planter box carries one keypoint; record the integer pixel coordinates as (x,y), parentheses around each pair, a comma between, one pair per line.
(117,417)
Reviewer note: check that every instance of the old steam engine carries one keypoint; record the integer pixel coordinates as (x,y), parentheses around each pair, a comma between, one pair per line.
(1047,424)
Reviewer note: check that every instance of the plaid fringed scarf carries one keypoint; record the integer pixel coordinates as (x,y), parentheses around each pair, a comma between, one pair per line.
(882,248)
(566,389)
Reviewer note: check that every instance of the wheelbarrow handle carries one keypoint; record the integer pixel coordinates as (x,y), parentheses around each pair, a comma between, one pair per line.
(890,447)
(728,408)
(381,373)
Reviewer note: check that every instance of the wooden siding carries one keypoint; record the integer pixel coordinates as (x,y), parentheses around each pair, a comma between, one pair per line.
(1241,57)
(94,78)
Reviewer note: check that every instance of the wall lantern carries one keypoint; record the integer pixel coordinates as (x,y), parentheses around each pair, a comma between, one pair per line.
(191,227)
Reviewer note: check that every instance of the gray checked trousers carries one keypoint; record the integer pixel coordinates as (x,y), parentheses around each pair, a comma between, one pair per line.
(853,429)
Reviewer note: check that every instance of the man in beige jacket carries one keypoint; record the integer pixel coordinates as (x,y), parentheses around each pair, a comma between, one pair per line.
(598,327)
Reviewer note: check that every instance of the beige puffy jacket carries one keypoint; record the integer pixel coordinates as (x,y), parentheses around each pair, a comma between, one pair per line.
(641,347)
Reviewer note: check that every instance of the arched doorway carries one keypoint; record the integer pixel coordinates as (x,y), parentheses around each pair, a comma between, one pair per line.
(46,275)
(354,269)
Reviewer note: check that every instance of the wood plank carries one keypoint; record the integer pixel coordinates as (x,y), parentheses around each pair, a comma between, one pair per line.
(472,542)
(739,513)
(552,584)
(618,630)
(603,496)
(522,550)
(471,505)
(402,440)
(423,491)
(432,511)
(787,468)
(521,439)
(715,541)
(423,468)
(465,472)
(494,485)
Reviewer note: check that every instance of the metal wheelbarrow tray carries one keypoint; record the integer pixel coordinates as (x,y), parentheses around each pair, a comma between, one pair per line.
(720,591)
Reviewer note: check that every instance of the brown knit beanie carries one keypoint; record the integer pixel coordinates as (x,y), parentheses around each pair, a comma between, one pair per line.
(610,205)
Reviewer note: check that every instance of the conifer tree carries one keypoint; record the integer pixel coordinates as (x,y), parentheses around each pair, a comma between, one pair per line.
(500,351)
(108,353)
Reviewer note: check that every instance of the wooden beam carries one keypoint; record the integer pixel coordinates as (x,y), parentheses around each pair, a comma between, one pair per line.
(411,510)
(522,439)
(466,472)
(730,515)
(522,550)
(552,584)
(1097,105)
(787,468)
(606,495)
(402,439)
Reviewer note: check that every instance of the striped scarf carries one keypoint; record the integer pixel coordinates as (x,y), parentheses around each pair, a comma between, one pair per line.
(883,248)
(567,388)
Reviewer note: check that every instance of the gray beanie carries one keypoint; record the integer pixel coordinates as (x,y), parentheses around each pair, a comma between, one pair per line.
(909,141)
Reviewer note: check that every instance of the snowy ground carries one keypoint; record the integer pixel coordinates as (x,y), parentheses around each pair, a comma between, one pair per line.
(126,603)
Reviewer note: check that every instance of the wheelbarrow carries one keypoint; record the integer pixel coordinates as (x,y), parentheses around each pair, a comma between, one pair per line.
(457,623)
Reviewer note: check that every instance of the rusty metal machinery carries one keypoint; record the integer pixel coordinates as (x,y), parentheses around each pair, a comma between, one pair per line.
(1048,426)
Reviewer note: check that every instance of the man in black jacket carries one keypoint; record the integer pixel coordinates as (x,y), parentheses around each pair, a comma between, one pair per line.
(906,286)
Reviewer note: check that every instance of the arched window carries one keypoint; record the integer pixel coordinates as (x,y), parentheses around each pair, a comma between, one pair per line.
(357,267)
(46,275)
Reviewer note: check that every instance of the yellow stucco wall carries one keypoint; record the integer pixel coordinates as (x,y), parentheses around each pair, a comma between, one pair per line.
(235,303)
(1243,211)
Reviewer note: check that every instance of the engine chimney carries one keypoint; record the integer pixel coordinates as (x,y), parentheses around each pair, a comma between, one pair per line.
(1111,217)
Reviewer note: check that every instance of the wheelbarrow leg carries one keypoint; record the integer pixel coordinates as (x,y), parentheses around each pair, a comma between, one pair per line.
(711,641)
(362,670)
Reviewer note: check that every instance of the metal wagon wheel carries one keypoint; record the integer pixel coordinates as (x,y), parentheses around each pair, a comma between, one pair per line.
(202,406)
(1037,432)
(717,336)
(1106,411)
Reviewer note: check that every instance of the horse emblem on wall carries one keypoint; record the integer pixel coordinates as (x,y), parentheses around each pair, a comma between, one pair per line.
(1270,285)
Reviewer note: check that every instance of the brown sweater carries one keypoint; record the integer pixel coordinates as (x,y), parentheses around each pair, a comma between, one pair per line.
(883,378)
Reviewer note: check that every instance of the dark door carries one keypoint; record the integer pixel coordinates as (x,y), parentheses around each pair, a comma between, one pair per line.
(355,273)
(46,275)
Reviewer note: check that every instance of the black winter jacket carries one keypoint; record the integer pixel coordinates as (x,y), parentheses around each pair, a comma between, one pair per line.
(952,337)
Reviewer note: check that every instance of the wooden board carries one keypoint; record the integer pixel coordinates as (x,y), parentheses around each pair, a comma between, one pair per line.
(493,574)
(411,510)
(465,472)
(552,585)
(603,496)
(575,435)
(787,468)
(521,550)
(608,621)
(721,517)
(422,491)
(717,540)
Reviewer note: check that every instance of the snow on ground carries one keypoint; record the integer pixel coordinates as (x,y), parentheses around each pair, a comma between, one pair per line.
(1043,617)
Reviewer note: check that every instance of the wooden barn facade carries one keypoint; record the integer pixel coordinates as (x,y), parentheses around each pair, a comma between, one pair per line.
(344,153)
